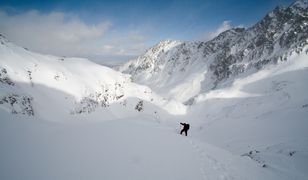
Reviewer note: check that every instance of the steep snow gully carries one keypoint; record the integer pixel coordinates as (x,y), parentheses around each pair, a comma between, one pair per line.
(245,96)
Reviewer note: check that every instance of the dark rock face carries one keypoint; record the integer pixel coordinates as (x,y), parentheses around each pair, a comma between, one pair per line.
(99,99)
(139,106)
(279,34)
(18,104)
(4,79)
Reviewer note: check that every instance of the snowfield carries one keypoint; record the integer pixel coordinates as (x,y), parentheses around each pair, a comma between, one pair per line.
(121,149)
(138,148)
(254,129)
(263,117)
(71,119)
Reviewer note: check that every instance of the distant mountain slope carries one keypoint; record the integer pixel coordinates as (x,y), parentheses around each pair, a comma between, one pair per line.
(182,70)
(49,86)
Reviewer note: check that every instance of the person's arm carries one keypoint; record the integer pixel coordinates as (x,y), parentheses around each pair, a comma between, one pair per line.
(182,124)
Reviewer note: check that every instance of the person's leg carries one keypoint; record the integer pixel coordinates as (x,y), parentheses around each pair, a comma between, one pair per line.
(182,131)
(185,132)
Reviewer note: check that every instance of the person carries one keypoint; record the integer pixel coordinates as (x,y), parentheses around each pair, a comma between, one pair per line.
(185,128)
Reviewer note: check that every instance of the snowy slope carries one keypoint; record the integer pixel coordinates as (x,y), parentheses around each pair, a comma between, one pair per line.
(248,109)
(32,83)
(246,89)
(262,116)
(253,129)
(138,148)
(170,67)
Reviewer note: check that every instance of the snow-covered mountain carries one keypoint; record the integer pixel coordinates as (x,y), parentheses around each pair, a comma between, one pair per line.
(248,108)
(182,70)
(32,83)
(245,89)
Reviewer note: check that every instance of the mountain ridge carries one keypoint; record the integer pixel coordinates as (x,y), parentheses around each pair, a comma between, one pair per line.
(233,52)
(31,83)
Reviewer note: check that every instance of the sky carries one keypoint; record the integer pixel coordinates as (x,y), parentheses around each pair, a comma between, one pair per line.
(113,31)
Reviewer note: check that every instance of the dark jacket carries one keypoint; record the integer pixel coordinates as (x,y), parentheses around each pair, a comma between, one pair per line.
(186,126)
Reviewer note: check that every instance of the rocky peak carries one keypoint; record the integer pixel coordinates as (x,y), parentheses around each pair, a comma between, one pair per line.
(272,39)
(300,4)
(163,46)
(3,40)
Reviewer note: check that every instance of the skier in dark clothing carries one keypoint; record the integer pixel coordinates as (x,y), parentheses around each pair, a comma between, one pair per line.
(185,128)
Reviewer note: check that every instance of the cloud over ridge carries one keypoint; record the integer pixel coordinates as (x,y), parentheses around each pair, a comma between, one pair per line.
(65,34)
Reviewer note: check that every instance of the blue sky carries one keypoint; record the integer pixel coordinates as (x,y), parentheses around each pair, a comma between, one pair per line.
(120,30)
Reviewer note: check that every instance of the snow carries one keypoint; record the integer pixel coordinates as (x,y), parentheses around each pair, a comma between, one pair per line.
(300,4)
(153,69)
(169,71)
(135,148)
(65,82)
(86,125)
(268,108)
(191,87)
(128,148)
(263,112)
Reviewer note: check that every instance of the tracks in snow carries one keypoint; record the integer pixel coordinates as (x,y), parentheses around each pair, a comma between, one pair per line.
(210,168)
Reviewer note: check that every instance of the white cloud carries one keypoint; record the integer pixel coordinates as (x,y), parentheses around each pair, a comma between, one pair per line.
(226,25)
(49,33)
(129,43)
(65,34)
